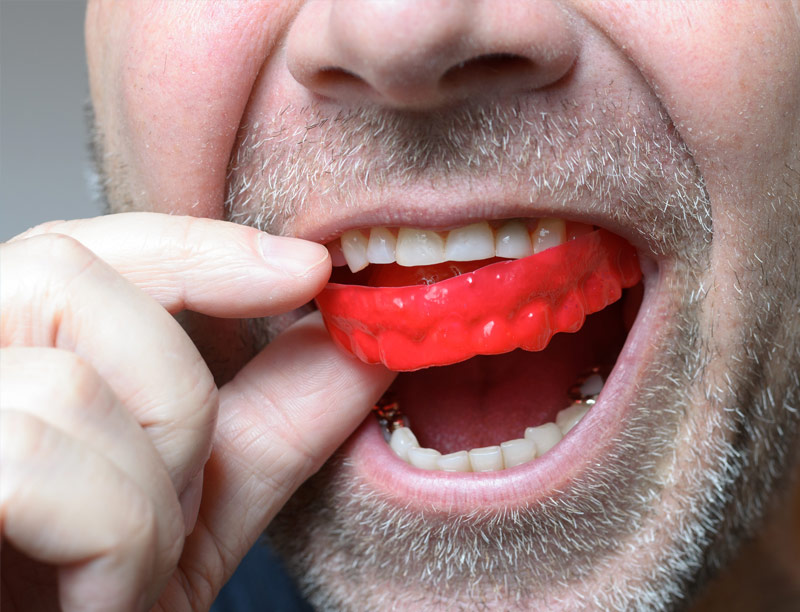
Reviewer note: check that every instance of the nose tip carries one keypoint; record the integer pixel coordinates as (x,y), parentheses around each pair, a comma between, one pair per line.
(428,53)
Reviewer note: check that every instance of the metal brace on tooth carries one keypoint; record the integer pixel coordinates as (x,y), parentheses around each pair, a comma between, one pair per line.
(387,409)
(587,387)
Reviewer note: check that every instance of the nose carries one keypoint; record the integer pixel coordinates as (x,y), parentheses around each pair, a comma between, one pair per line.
(420,54)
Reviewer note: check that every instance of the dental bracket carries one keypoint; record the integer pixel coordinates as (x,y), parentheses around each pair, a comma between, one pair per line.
(387,409)
(577,396)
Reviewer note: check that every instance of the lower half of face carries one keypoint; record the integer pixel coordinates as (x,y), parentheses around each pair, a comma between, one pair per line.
(617,492)
(587,415)
(596,329)
(591,410)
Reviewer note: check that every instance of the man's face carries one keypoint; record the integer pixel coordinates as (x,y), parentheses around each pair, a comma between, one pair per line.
(673,125)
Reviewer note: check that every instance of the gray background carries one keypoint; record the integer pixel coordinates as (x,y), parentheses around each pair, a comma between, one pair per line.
(44,158)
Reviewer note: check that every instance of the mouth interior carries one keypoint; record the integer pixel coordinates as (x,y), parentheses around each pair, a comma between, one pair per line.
(488,399)
(392,275)
(491,398)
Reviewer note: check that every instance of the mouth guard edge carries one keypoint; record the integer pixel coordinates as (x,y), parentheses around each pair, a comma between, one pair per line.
(495,309)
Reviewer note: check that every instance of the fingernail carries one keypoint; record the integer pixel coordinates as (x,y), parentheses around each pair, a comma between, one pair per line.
(292,255)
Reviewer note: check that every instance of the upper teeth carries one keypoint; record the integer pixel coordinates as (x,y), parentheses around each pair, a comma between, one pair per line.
(418,247)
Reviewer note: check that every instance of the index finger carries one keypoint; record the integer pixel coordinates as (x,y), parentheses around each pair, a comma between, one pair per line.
(214,267)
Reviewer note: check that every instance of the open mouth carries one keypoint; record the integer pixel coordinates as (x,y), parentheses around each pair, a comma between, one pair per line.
(504,333)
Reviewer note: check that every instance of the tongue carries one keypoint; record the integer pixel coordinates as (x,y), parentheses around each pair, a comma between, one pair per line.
(486,400)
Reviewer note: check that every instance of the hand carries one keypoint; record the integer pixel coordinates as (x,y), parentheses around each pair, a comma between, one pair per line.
(128,480)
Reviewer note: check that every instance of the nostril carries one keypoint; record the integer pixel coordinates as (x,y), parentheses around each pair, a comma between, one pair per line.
(490,67)
(426,55)
(332,78)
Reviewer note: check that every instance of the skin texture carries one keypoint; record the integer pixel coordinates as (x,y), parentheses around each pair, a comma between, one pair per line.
(674,124)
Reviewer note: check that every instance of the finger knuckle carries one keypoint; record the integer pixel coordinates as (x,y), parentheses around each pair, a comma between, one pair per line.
(51,381)
(74,384)
(24,441)
(61,256)
(62,248)
(23,437)
(37,274)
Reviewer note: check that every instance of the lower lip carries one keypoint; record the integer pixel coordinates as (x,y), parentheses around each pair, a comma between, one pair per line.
(457,492)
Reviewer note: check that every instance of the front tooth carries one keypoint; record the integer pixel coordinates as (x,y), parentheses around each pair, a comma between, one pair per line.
(381,246)
(402,440)
(592,385)
(454,462)
(517,452)
(354,247)
(486,459)
(417,247)
(549,233)
(424,458)
(469,243)
(513,241)
(569,417)
(544,437)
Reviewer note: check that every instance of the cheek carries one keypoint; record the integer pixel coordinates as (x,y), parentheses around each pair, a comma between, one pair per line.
(728,74)
(178,87)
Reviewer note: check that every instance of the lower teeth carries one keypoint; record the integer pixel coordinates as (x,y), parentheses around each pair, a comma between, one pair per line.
(535,443)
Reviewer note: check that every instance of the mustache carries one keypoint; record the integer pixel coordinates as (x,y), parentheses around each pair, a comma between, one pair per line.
(623,159)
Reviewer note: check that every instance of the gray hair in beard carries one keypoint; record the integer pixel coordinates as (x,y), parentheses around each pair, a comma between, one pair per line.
(348,545)
(621,159)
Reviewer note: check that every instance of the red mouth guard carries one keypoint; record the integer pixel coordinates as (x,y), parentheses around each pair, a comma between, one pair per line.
(494,309)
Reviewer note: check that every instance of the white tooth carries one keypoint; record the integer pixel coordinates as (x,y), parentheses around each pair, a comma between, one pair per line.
(517,452)
(486,459)
(423,458)
(592,385)
(337,257)
(470,243)
(354,247)
(548,233)
(513,241)
(419,247)
(569,417)
(402,440)
(544,437)
(454,462)
(381,246)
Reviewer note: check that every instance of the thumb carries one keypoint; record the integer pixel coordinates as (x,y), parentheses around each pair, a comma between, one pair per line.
(282,416)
